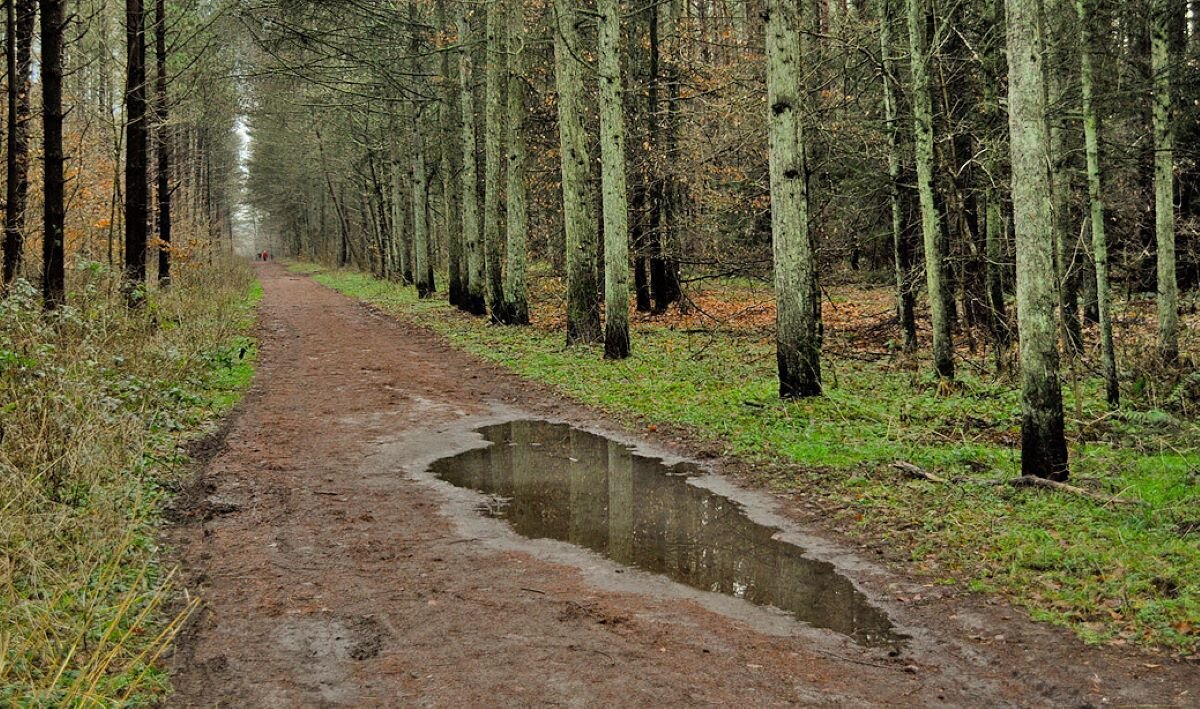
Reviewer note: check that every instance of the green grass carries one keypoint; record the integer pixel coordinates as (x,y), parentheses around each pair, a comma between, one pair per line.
(1113,574)
(96,404)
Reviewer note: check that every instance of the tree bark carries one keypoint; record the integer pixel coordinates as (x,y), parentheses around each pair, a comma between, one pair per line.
(162,145)
(493,135)
(137,192)
(931,221)
(516,299)
(901,254)
(994,227)
(1164,181)
(1043,444)
(583,306)
(797,332)
(474,302)
(450,193)
(22,15)
(1056,16)
(613,184)
(1091,134)
(420,211)
(54,292)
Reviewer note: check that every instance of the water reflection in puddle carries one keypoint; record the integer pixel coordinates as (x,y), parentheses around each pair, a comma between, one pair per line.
(557,482)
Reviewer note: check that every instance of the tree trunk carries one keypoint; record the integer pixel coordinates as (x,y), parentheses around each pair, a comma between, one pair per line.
(1043,445)
(516,299)
(797,333)
(162,145)
(579,219)
(137,197)
(401,208)
(931,222)
(493,135)
(993,59)
(54,291)
(901,254)
(21,17)
(1091,135)
(614,193)
(664,265)
(1058,115)
(1164,187)
(450,194)
(474,302)
(420,211)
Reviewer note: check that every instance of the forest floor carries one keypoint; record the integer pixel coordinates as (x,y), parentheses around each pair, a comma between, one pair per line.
(336,571)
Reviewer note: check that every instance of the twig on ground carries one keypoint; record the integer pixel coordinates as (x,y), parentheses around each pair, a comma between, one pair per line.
(918,473)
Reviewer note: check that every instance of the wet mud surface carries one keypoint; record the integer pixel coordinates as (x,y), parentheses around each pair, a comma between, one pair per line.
(338,569)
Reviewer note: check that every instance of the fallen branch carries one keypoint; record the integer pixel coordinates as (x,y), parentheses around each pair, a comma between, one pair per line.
(918,473)
(914,471)
(1045,484)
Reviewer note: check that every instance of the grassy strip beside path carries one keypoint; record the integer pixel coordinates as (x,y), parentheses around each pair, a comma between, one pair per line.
(95,406)
(1113,574)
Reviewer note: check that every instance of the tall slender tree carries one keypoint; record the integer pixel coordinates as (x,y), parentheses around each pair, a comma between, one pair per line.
(583,306)
(474,302)
(162,143)
(420,212)
(54,289)
(450,193)
(613,184)
(493,130)
(1086,10)
(1164,178)
(797,332)
(1043,442)
(137,187)
(516,298)
(901,252)
(931,219)
(22,15)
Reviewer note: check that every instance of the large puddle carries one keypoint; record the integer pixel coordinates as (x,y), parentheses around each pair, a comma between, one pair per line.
(552,481)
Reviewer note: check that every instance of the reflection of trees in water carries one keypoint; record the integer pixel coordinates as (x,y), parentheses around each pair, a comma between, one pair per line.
(566,484)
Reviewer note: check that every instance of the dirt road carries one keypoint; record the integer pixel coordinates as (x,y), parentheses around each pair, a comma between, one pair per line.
(336,571)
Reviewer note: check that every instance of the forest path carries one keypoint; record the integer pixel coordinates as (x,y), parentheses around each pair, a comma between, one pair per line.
(335,573)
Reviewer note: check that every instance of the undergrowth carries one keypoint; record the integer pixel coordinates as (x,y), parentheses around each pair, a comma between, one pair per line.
(96,405)
(1115,574)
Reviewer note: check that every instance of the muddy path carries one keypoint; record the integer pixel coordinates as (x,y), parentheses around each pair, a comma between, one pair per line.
(337,570)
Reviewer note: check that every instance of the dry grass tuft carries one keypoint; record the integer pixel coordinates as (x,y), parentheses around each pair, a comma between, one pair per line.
(95,403)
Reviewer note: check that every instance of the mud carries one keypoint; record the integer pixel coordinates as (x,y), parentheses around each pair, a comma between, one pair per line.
(337,570)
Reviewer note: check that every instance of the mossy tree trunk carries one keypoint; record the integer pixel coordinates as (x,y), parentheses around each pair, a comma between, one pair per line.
(1043,444)
(994,227)
(613,184)
(493,135)
(797,332)
(1091,134)
(474,301)
(931,220)
(1164,180)
(1057,16)
(448,169)
(579,218)
(901,253)
(516,298)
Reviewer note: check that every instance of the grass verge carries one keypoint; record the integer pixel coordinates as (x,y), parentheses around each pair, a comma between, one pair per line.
(96,405)
(1114,574)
